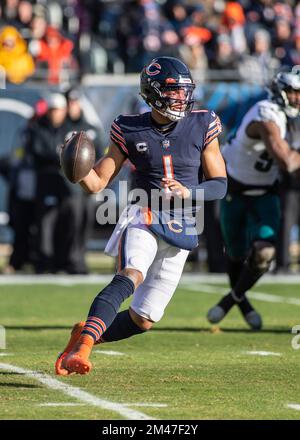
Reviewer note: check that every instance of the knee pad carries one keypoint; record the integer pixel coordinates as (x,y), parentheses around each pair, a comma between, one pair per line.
(261,255)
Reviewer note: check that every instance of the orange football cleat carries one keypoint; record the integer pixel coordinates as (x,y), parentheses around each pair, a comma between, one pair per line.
(75,334)
(77,360)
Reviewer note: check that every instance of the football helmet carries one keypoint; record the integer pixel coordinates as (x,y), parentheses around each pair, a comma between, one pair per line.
(281,84)
(164,74)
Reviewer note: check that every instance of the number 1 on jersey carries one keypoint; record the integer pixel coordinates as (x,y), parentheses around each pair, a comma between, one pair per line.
(168,170)
(168,167)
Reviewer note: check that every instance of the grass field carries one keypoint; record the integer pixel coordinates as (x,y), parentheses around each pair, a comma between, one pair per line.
(180,370)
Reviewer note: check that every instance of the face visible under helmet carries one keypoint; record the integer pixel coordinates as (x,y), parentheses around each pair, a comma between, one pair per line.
(164,74)
(281,84)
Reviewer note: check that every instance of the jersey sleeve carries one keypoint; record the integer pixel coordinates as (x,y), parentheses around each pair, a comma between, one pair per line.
(117,136)
(214,128)
(266,111)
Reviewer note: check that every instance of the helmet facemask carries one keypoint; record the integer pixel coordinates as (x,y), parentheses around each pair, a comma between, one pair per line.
(173,108)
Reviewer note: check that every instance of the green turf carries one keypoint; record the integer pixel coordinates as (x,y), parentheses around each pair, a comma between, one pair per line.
(181,363)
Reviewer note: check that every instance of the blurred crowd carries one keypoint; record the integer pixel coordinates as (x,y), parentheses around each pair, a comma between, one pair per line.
(51,218)
(66,39)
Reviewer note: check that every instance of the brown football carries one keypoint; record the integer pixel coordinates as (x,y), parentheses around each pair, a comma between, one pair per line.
(77,156)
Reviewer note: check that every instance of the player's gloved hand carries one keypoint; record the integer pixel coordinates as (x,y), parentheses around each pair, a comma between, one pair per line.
(176,188)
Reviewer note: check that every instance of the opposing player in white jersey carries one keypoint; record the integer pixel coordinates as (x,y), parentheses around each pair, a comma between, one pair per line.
(250,213)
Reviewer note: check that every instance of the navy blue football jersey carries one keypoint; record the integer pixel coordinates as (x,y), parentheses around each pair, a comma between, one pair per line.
(176,154)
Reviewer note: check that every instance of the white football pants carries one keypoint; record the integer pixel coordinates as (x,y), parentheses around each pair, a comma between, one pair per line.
(161,265)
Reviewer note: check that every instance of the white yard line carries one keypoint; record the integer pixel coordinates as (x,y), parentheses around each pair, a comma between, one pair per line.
(263,353)
(73,280)
(260,296)
(6,354)
(295,406)
(109,352)
(150,405)
(61,404)
(77,393)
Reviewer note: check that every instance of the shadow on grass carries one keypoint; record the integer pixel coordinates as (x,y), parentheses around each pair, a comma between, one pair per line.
(10,373)
(18,385)
(38,327)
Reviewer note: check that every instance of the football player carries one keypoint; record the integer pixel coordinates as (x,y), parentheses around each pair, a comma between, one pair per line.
(171,147)
(250,213)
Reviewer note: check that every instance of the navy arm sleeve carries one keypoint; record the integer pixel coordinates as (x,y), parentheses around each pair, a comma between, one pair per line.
(214,189)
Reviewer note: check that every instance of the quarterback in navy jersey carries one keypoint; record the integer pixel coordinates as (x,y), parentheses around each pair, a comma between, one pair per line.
(173,149)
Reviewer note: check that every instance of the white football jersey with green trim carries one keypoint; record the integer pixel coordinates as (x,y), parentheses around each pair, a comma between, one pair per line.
(247,159)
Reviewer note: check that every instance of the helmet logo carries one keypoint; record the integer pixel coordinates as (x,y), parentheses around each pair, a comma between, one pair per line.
(153,69)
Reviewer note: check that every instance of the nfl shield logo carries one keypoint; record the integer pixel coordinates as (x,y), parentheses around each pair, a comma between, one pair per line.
(165,144)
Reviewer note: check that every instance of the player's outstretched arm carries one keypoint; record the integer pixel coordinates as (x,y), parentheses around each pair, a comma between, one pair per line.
(279,149)
(104,171)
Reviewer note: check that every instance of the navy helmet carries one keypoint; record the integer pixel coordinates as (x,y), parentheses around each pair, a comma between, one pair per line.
(163,74)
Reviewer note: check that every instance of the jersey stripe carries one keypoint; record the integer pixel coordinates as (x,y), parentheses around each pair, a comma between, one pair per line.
(168,166)
(118,136)
(116,127)
(119,143)
(211,138)
(213,131)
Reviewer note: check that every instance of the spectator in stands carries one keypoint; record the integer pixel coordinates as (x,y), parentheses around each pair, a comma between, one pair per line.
(38,25)
(223,56)
(295,51)
(260,13)
(106,49)
(24,17)
(233,22)
(260,66)
(194,55)
(14,58)
(1,16)
(44,136)
(79,206)
(21,177)
(177,13)
(10,11)
(145,33)
(56,52)
(197,29)
(282,41)
(78,119)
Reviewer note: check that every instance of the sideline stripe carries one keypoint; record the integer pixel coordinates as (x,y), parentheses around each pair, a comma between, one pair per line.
(77,393)
(187,278)
(260,296)
(263,353)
